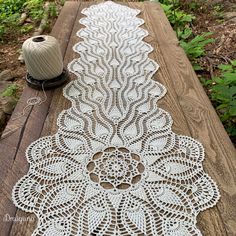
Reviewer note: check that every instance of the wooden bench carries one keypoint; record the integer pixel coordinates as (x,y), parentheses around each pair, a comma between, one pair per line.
(186,101)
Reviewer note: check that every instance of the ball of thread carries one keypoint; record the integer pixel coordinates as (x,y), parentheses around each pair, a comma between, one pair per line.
(43,57)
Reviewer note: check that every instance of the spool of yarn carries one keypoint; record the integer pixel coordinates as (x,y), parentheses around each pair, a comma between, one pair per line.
(43,57)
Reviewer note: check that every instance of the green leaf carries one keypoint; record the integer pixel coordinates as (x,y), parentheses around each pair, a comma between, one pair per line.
(225,67)
(232,102)
(232,111)
(232,90)
(231,130)
(184,34)
(195,47)
(218,80)
(221,106)
(166,8)
(10,91)
(222,93)
(233,62)
(229,78)
(197,67)
(26,28)
(206,82)
(224,117)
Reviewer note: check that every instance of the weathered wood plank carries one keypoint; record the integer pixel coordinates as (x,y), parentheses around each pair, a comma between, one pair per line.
(21,132)
(186,101)
(202,122)
(170,101)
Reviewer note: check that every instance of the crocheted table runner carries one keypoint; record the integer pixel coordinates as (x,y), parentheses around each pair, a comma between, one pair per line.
(115,167)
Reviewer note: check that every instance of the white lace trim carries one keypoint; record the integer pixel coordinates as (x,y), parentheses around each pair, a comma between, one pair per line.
(115,167)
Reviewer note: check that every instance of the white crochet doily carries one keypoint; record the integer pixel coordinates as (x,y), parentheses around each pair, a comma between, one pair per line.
(115,167)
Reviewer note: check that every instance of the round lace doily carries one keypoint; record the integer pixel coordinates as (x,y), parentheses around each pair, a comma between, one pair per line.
(115,167)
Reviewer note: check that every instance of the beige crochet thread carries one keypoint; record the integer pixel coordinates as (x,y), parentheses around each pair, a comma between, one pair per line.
(43,57)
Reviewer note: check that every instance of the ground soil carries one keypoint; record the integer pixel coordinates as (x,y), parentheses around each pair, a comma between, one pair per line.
(224,31)
(211,17)
(9,53)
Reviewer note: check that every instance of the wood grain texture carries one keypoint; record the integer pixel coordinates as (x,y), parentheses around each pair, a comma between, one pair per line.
(186,101)
(170,102)
(21,132)
(201,120)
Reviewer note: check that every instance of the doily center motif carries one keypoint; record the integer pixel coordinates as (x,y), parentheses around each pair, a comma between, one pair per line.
(116,169)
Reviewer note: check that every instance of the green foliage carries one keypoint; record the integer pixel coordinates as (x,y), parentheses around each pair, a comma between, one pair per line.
(195,47)
(205,82)
(177,18)
(184,34)
(9,14)
(53,10)
(193,5)
(218,11)
(197,67)
(2,30)
(10,7)
(10,91)
(10,11)
(223,93)
(62,2)
(26,28)
(168,2)
(223,88)
(34,9)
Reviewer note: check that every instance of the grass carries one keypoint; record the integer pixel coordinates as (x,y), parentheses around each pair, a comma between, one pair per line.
(10,91)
